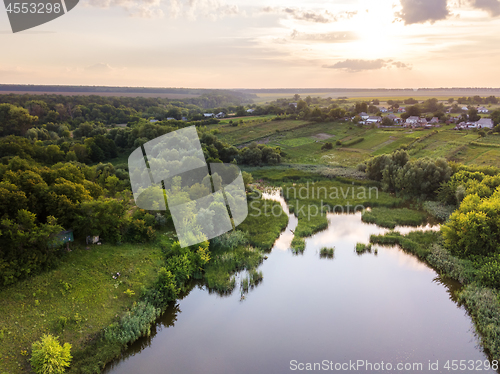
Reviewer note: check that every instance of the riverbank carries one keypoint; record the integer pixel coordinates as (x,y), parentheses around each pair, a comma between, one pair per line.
(100,300)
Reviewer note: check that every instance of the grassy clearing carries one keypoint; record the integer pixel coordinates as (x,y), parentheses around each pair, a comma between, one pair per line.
(297,142)
(391,218)
(74,301)
(266,220)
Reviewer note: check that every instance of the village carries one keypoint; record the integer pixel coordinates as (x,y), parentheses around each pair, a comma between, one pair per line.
(392,120)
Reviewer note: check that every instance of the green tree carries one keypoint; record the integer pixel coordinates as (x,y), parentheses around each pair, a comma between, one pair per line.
(49,357)
(15,120)
(473,116)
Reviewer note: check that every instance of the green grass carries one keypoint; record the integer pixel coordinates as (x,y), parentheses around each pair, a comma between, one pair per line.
(306,200)
(297,142)
(74,301)
(391,218)
(264,223)
(362,248)
(326,252)
(298,245)
(225,262)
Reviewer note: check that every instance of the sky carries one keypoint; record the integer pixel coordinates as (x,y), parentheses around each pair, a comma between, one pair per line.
(260,44)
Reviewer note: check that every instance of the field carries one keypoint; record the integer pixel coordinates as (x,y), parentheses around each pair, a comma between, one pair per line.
(265,96)
(302,141)
(64,301)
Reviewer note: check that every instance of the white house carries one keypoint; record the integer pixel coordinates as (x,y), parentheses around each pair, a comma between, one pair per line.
(482,109)
(434,121)
(250,111)
(485,123)
(220,115)
(171,119)
(208,115)
(364,116)
(402,110)
(153,120)
(465,108)
(383,109)
(413,120)
(373,119)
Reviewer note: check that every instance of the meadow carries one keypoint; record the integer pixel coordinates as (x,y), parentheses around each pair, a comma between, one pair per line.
(301,142)
(78,299)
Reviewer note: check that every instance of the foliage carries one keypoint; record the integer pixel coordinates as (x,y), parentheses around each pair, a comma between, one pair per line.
(415,178)
(484,307)
(473,229)
(489,274)
(298,245)
(327,146)
(134,324)
(439,210)
(265,221)
(352,142)
(230,240)
(326,252)
(391,218)
(49,357)
(362,248)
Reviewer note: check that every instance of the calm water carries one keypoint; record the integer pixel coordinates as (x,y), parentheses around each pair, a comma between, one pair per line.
(386,307)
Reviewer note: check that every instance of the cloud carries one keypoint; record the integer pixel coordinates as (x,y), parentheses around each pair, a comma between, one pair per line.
(99,68)
(332,37)
(421,11)
(354,65)
(310,15)
(213,9)
(491,6)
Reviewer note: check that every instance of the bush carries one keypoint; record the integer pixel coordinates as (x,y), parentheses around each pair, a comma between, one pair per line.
(134,324)
(230,240)
(49,357)
(327,146)
(489,274)
(438,210)
(338,142)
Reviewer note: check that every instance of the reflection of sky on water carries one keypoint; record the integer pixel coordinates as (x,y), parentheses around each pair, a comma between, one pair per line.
(386,307)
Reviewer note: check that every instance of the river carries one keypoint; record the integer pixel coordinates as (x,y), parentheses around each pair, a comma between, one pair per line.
(384,308)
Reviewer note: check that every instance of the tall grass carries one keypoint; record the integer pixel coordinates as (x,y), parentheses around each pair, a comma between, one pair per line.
(362,248)
(327,252)
(264,223)
(391,218)
(298,245)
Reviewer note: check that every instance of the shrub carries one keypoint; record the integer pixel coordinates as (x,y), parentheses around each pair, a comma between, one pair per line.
(230,240)
(49,357)
(134,324)
(327,146)
(489,274)
(338,142)
(438,210)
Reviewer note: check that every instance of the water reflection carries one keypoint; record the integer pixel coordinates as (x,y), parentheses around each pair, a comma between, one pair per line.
(386,307)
